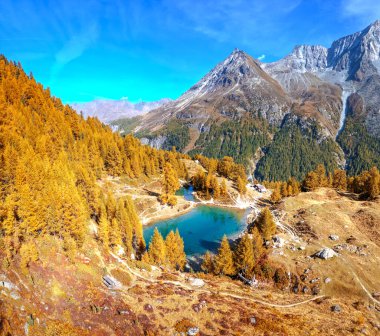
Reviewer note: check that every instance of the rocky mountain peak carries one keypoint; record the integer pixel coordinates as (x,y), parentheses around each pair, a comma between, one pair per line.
(375,25)
(358,53)
(303,58)
(234,87)
(234,70)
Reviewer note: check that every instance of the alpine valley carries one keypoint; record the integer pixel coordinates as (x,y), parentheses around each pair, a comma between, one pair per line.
(316,105)
(164,231)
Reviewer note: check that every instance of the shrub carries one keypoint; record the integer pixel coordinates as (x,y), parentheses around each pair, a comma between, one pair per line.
(142,265)
(122,276)
(280,278)
(172,200)
(183,326)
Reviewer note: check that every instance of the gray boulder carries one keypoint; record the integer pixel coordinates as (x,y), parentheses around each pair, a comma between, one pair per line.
(193,331)
(196,282)
(336,309)
(110,282)
(325,253)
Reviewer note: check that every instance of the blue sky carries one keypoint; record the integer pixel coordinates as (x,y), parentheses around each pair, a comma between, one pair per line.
(151,49)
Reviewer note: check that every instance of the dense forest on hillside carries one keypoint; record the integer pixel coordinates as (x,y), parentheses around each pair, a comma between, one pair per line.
(175,134)
(50,159)
(294,152)
(239,140)
(361,149)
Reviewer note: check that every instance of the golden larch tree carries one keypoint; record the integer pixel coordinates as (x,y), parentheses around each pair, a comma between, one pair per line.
(339,179)
(266,224)
(224,262)
(208,263)
(157,249)
(244,257)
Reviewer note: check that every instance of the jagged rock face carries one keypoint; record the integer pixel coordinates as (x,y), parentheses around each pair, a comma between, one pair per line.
(358,53)
(352,62)
(156,142)
(370,93)
(364,105)
(303,58)
(322,103)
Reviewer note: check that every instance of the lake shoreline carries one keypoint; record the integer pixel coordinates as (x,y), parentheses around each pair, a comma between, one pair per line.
(202,224)
(170,214)
(175,212)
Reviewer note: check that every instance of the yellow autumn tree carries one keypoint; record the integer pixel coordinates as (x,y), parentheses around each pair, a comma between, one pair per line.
(157,249)
(275,197)
(240,185)
(223,187)
(224,262)
(207,265)
(266,224)
(175,254)
(374,183)
(103,228)
(244,257)
(170,184)
(339,179)
(257,243)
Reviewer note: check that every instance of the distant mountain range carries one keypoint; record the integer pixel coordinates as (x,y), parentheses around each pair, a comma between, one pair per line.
(315,105)
(108,110)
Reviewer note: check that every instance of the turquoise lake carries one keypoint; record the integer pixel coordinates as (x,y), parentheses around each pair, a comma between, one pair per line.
(202,228)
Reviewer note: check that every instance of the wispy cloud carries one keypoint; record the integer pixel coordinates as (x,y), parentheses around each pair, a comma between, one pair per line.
(75,46)
(261,57)
(365,10)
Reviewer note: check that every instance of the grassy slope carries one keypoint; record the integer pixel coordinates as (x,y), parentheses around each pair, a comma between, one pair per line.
(160,302)
(325,212)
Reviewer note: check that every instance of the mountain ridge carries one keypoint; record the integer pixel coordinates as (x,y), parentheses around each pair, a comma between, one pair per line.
(310,87)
